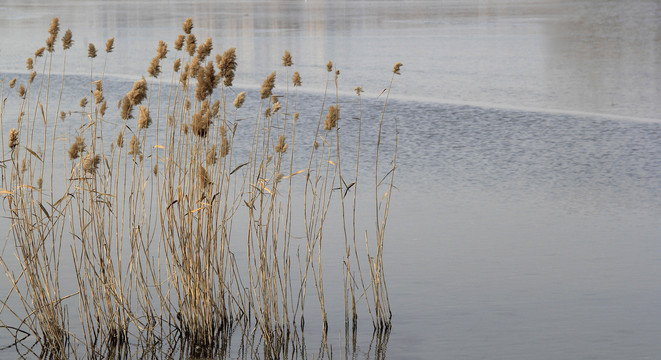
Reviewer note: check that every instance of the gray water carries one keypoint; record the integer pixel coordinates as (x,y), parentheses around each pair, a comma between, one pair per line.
(527,221)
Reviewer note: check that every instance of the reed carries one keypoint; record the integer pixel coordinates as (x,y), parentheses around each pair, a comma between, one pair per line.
(183,229)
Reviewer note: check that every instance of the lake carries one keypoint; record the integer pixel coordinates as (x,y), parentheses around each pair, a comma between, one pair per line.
(526,220)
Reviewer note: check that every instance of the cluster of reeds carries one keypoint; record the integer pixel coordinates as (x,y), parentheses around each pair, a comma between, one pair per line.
(158,209)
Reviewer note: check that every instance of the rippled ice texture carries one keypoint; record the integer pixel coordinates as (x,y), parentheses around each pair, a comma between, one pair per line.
(526,225)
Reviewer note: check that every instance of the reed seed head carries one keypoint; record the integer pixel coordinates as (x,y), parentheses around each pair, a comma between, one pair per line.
(120,140)
(396,68)
(329,66)
(126,108)
(12,83)
(13,138)
(29,63)
(63,115)
(204,49)
(154,67)
(276,106)
(91,51)
(110,45)
(215,109)
(91,163)
(77,148)
(211,155)
(281,147)
(139,92)
(144,120)
(179,42)
(162,50)
(40,52)
(358,90)
(296,79)
(207,80)
(54,26)
(224,146)
(286,59)
(67,40)
(40,182)
(296,115)
(240,99)
(83,102)
(187,26)
(21,91)
(177,65)
(332,117)
(227,65)
(190,44)
(32,76)
(201,123)
(134,147)
(50,42)
(102,109)
(98,96)
(267,86)
(203,177)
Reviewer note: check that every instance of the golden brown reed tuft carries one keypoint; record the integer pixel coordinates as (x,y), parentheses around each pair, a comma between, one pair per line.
(12,83)
(103,107)
(77,148)
(110,45)
(358,90)
(154,67)
(227,65)
(91,51)
(207,80)
(162,49)
(332,117)
(40,52)
(91,163)
(187,26)
(224,146)
(190,44)
(13,138)
(21,91)
(203,177)
(98,96)
(296,115)
(29,63)
(240,99)
(201,123)
(54,26)
(204,49)
(215,109)
(144,120)
(211,155)
(296,79)
(267,86)
(32,76)
(281,147)
(63,115)
(194,67)
(276,106)
(134,147)
(40,183)
(329,66)
(286,59)
(395,69)
(125,108)
(177,65)
(179,42)
(120,140)
(67,40)
(139,92)
(83,102)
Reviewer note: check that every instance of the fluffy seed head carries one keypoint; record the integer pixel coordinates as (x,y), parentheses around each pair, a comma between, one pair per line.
(63,115)
(77,148)
(102,109)
(177,65)
(29,63)
(54,26)
(83,102)
(211,155)
(134,147)
(286,59)
(50,42)
(224,146)
(187,26)
(203,177)
(162,49)
(190,44)
(154,67)
(40,52)
(21,91)
(332,117)
(329,66)
(281,147)
(267,86)
(358,90)
(12,83)
(13,138)
(179,42)
(67,40)
(126,108)
(227,65)
(139,92)
(296,79)
(91,164)
(240,99)
(120,140)
(110,45)
(91,51)
(204,49)
(32,76)
(144,120)
(395,69)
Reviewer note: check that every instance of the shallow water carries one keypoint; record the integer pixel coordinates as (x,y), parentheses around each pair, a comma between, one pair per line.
(528,213)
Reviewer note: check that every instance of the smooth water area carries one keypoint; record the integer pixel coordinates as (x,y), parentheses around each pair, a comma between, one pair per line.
(527,220)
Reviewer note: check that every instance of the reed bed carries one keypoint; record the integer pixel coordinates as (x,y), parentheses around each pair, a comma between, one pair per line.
(189,219)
